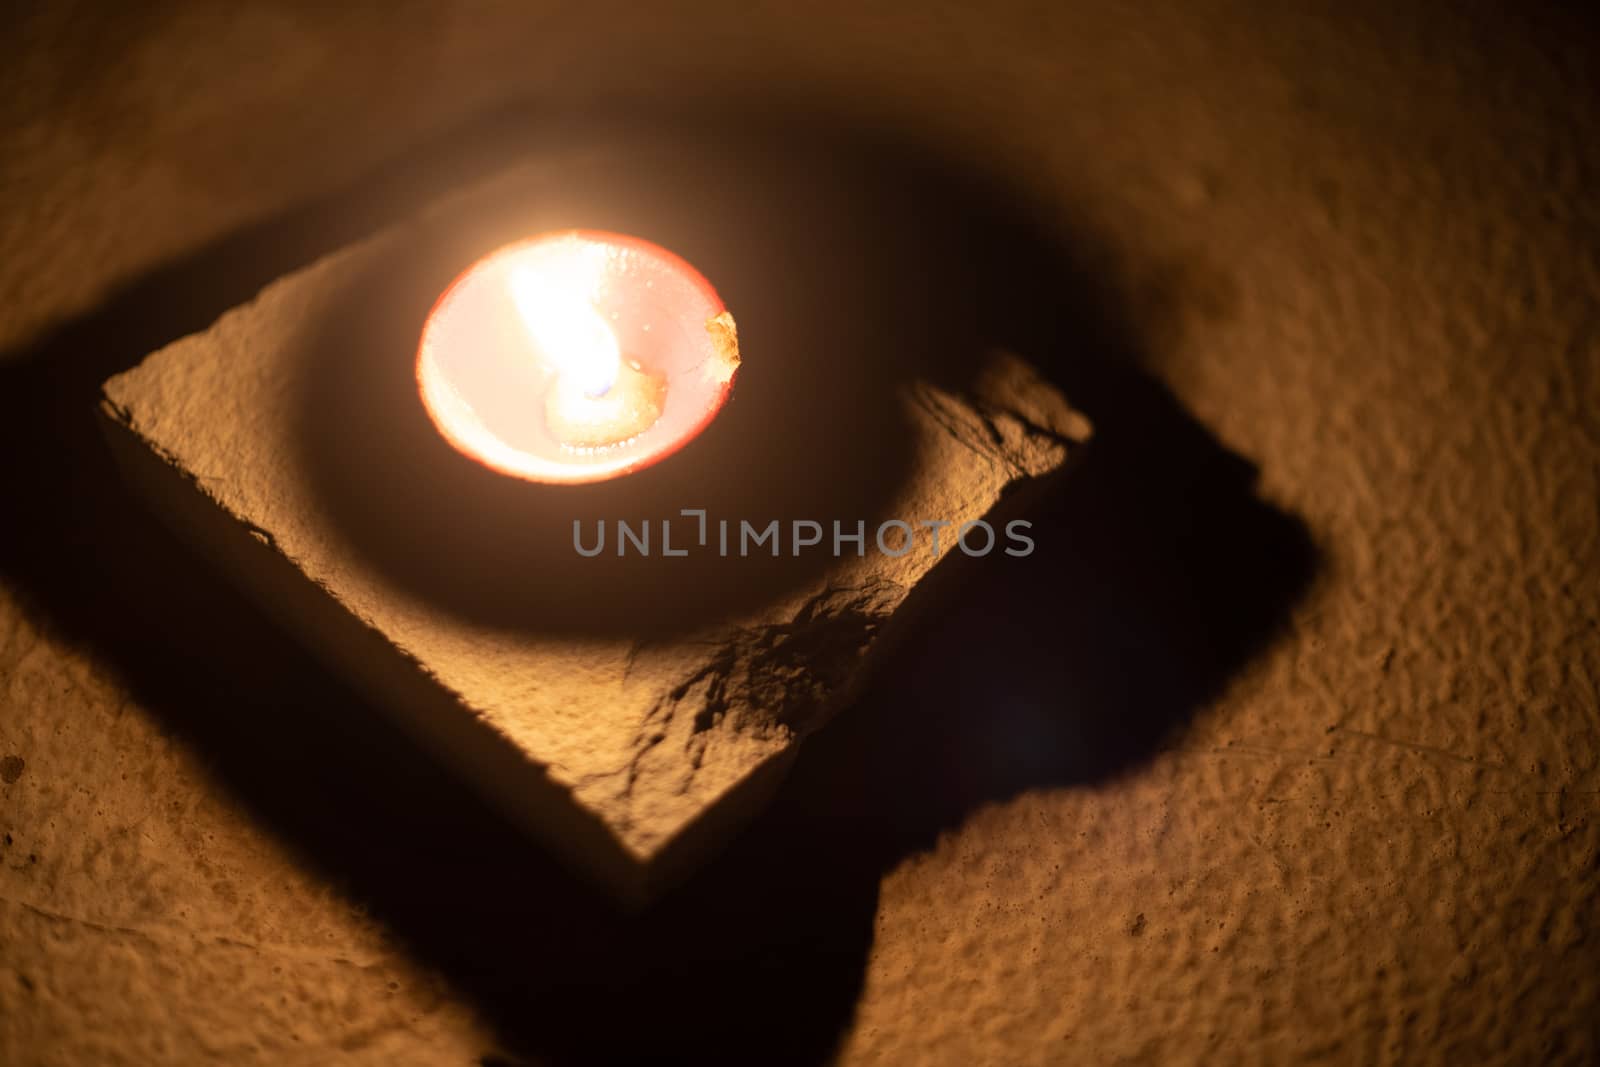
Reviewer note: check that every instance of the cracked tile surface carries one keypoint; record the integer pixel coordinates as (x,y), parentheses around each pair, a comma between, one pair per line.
(1362,244)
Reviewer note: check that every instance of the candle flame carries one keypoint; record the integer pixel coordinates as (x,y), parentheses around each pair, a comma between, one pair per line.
(563,322)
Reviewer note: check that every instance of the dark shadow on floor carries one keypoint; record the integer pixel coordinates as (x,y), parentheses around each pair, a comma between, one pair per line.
(1158,572)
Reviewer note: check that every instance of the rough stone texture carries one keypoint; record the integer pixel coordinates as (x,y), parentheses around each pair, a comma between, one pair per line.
(630,752)
(1359,242)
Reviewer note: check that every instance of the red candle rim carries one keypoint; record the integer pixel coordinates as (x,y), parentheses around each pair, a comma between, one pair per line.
(473,439)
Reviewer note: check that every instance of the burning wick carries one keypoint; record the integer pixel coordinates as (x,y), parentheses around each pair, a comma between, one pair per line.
(576,356)
(596,399)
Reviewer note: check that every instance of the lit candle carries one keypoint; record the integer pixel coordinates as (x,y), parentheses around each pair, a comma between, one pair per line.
(576,356)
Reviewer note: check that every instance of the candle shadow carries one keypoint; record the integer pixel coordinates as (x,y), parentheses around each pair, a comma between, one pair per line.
(834,290)
(1159,572)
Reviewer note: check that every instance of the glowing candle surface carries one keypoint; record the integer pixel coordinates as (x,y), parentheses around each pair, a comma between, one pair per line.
(576,357)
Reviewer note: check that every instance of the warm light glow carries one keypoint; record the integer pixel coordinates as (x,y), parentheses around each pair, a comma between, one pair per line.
(558,310)
(576,356)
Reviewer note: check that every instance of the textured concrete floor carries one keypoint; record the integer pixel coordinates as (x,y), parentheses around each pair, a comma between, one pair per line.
(1309,774)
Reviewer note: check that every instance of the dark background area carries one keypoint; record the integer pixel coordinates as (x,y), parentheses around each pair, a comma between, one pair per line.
(1286,748)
